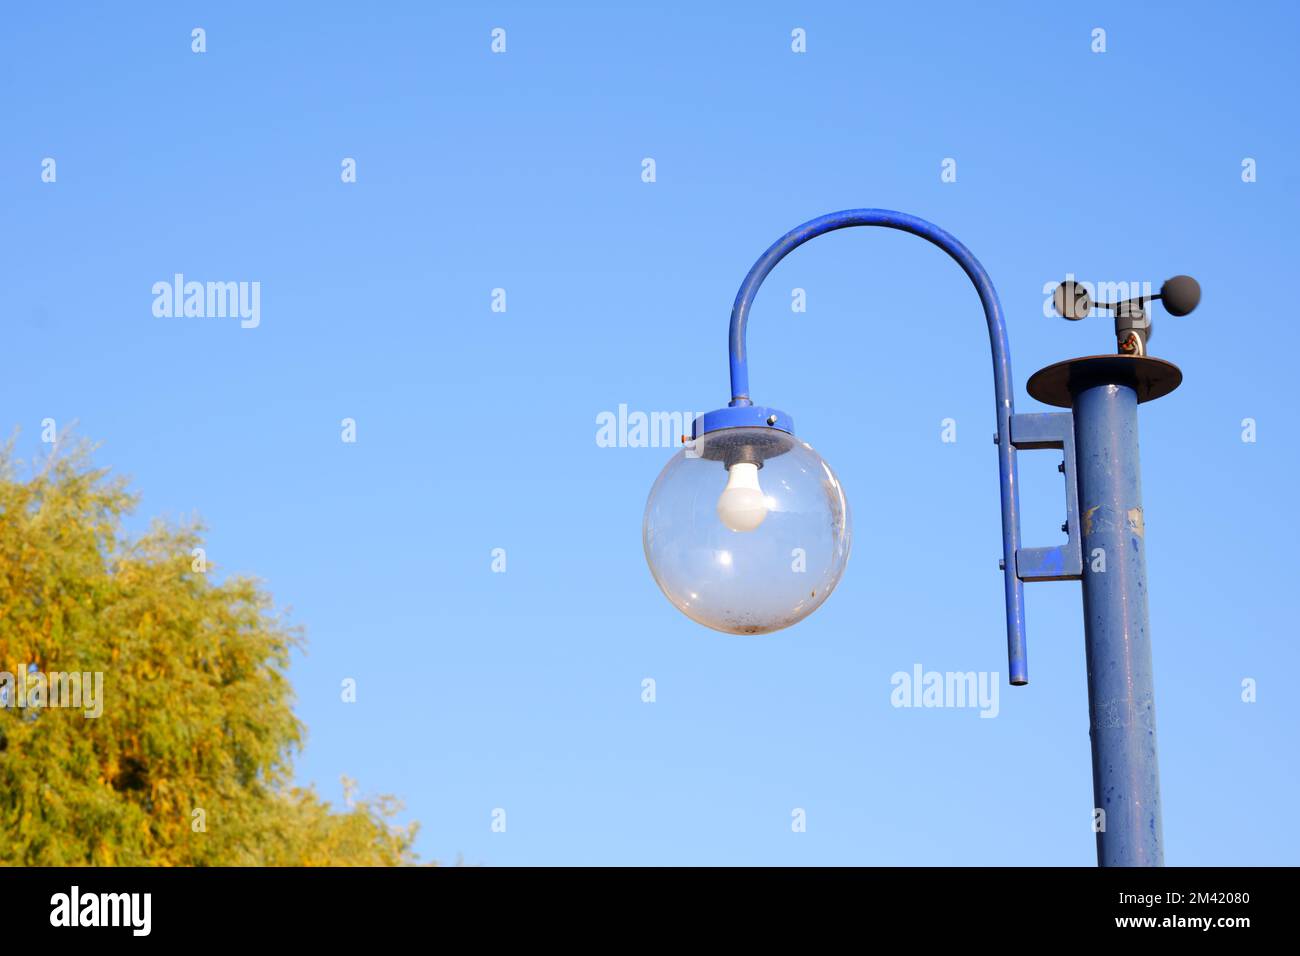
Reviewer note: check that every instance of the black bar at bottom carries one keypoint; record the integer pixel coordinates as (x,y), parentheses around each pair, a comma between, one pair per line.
(486,905)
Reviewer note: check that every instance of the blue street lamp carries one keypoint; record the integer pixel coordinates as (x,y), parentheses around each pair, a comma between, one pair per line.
(745,502)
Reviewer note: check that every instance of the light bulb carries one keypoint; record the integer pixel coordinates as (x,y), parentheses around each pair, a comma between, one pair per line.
(741,506)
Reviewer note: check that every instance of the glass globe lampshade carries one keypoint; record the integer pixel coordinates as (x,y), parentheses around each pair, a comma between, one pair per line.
(747,530)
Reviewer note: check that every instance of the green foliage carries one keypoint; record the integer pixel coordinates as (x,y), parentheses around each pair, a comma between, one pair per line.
(197,711)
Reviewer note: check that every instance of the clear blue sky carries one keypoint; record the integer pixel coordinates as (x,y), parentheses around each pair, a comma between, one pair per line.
(476,429)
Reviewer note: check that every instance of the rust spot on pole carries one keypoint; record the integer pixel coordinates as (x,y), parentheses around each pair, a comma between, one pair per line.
(1087,519)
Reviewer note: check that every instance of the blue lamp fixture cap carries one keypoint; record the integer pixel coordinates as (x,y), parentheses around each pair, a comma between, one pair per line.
(742,416)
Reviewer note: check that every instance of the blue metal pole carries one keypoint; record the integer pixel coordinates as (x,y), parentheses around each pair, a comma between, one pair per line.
(1121,696)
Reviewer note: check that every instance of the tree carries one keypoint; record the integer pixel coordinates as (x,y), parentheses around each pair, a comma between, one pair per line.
(189,760)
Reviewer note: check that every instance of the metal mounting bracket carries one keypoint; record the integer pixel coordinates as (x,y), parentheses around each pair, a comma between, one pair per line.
(1063,562)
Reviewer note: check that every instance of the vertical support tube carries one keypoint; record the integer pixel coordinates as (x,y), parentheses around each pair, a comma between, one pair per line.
(1121,696)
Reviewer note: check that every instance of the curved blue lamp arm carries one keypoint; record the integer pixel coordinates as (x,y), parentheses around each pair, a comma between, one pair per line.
(1016,654)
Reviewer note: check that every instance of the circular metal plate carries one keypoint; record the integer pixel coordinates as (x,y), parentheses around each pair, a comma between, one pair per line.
(1151,378)
(742,416)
